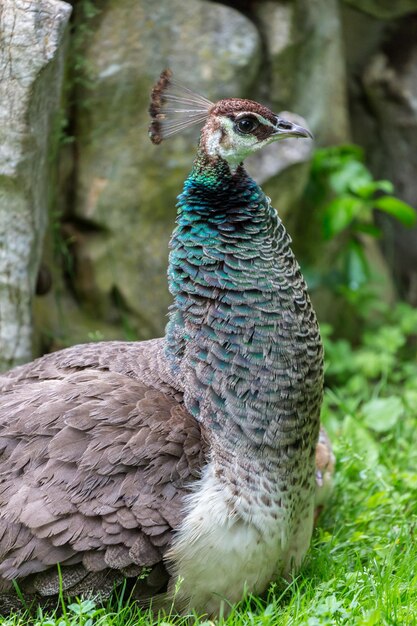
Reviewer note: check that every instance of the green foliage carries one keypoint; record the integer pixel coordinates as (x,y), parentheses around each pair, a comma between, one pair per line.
(340,172)
(344,195)
(375,384)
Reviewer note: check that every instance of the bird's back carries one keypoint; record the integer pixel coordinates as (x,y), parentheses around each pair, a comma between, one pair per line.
(97,453)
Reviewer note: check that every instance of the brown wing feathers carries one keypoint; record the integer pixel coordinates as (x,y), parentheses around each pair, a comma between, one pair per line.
(94,466)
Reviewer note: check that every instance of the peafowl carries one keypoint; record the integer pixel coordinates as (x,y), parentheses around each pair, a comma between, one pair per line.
(192,464)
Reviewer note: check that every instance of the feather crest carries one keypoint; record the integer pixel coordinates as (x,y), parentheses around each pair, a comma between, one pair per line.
(174,107)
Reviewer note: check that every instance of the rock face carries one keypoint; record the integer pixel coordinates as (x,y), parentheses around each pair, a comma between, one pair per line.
(390,87)
(125,186)
(31,55)
(384,9)
(304,41)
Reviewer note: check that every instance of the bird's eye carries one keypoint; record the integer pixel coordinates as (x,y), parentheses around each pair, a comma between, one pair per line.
(246,125)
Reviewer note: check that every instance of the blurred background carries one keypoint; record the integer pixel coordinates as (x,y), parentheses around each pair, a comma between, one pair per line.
(87,203)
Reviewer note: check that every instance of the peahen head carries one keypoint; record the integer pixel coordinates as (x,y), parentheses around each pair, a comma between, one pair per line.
(233,128)
(236,128)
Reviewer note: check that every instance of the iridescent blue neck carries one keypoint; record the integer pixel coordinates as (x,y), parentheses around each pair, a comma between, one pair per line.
(212,192)
(221,218)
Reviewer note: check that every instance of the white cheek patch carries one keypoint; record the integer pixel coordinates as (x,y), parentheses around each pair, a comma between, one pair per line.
(229,145)
(213,142)
(233,147)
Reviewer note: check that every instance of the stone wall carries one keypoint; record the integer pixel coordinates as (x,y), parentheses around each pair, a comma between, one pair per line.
(31,69)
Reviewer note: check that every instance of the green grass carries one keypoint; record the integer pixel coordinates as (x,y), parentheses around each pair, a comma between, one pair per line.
(362,565)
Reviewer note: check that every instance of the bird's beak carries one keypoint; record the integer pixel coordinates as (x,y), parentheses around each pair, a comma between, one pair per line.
(285,128)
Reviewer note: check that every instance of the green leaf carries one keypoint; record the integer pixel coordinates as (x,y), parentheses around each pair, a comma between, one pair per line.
(339,214)
(356,265)
(387,339)
(404,212)
(367,229)
(410,400)
(339,355)
(405,317)
(367,190)
(371,363)
(352,173)
(382,414)
(326,160)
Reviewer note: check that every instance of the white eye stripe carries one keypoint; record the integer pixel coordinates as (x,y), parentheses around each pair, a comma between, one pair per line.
(265,121)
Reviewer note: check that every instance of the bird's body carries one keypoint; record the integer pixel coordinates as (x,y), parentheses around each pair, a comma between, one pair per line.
(192,455)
